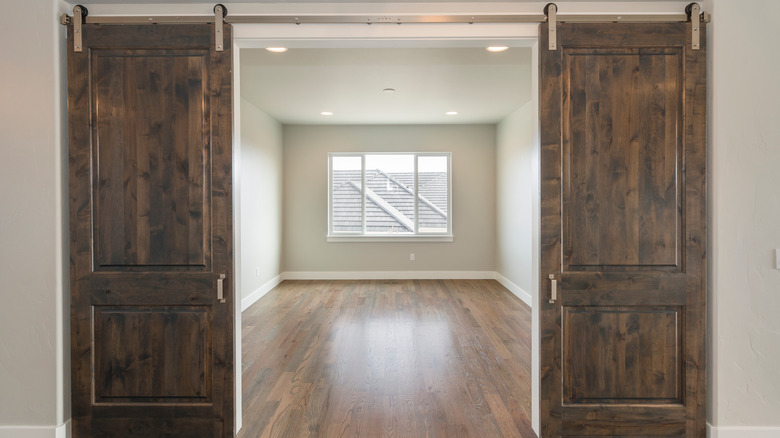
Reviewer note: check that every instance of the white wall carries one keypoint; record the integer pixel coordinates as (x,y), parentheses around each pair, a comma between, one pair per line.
(261,201)
(744,156)
(34,388)
(515,193)
(305,172)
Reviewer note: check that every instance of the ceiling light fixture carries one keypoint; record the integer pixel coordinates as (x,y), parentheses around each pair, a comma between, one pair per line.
(276,49)
(451,113)
(496,49)
(326,113)
(389,90)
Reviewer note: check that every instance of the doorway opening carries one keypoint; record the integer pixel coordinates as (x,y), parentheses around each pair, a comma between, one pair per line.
(293,146)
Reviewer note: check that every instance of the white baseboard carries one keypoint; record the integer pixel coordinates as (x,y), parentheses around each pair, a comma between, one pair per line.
(61,431)
(515,289)
(257,294)
(742,432)
(389,275)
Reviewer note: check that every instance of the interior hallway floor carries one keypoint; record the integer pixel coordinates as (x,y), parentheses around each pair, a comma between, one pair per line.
(387,358)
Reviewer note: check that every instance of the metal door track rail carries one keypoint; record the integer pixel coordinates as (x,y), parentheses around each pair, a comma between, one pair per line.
(81,16)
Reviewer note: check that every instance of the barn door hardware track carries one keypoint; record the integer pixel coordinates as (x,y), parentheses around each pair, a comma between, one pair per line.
(692,14)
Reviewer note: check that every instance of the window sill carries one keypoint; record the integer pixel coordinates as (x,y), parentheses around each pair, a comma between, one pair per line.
(400,239)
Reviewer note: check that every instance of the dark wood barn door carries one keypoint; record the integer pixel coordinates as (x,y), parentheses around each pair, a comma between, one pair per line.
(623,231)
(150,119)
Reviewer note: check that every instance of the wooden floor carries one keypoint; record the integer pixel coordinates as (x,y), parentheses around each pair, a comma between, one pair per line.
(408,358)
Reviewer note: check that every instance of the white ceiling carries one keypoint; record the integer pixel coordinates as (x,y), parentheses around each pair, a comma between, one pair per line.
(294,87)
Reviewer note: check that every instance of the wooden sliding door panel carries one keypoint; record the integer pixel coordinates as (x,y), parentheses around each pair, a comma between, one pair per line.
(621,156)
(623,226)
(150,140)
(621,354)
(165,356)
(150,153)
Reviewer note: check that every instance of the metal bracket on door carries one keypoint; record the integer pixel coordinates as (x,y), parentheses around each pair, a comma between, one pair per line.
(694,11)
(220,11)
(79,13)
(551,11)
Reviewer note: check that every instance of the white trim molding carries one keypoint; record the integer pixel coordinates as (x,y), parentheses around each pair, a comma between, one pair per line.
(515,289)
(389,275)
(742,431)
(61,431)
(260,292)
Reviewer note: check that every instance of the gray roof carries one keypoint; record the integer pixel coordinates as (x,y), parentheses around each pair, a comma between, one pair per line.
(389,201)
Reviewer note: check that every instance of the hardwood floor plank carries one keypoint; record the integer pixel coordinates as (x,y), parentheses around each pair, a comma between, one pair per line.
(389,358)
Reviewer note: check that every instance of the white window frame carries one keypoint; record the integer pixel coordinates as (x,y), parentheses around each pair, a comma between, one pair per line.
(364,236)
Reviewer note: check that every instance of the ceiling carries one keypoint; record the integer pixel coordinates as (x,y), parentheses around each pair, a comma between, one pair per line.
(296,86)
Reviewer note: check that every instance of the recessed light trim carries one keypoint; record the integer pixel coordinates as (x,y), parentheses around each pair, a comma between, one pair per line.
(496,49)
(327,113)
(276,49)
(451,113)
(389,90)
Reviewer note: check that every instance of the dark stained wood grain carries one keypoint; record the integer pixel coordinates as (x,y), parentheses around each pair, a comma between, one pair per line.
(621,157)
(622,229)
(666,421)
(151,142)
(431,358)
(150,171)
(616,354)
(164,356)
(551,116)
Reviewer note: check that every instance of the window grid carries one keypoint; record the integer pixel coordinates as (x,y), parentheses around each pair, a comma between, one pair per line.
(396,180)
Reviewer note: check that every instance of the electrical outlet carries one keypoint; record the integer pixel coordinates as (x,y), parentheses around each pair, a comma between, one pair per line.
(411,256)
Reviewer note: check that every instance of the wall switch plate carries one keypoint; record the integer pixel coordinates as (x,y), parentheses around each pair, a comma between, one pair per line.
(777,258)
(257,272)
(411,256)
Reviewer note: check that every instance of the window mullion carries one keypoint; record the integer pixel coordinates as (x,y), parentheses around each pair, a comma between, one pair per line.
(363,189)
(416,196)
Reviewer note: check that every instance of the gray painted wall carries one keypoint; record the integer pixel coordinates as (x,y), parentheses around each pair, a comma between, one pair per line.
(261,198)
(744,155)
(515,191)
(305,172)
(34,388)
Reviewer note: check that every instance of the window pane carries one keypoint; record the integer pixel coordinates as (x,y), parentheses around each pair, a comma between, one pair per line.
(390,194)
(347,195)
(433,180)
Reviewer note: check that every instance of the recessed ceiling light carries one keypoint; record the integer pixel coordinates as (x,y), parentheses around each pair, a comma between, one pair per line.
(451,113)
(389,90)
(326,113)
(276,49)
(495,49)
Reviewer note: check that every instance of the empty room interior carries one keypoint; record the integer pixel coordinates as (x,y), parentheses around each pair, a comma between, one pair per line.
(365,310)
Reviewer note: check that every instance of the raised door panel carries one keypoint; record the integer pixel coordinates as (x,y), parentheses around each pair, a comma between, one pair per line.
(622,355)
(622,146)
(151,187)
(152,354)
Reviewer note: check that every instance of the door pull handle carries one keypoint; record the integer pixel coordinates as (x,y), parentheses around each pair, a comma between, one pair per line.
(221,288)
(553,288)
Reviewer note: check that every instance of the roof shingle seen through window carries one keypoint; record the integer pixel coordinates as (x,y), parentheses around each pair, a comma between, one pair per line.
(389,201)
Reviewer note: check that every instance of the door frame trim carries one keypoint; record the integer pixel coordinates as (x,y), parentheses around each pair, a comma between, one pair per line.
(253,36)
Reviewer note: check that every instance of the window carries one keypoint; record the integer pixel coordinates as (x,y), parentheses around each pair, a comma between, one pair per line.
(406,195)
